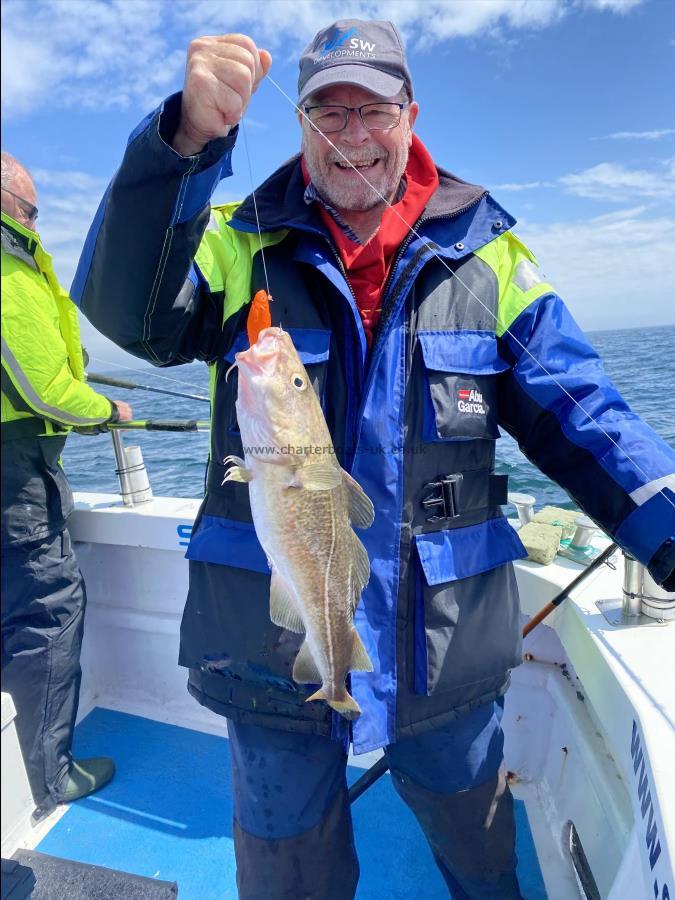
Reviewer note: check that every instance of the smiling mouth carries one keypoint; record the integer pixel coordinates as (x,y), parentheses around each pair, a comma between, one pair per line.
(364,167)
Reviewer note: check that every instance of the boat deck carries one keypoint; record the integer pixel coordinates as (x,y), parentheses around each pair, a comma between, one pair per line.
(167,814)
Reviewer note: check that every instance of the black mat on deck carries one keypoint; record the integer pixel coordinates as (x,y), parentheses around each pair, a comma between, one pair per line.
(63,879)
(17,880)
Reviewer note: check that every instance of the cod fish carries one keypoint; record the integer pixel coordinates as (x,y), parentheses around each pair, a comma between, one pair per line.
(304,505)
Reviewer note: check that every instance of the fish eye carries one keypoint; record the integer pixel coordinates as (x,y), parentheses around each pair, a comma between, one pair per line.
(298,382)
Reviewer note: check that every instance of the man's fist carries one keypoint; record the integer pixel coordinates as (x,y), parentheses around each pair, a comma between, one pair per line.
(221,74)
(126,415)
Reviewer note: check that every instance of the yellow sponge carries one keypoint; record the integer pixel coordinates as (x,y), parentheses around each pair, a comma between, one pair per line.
(541,541)
(564,518)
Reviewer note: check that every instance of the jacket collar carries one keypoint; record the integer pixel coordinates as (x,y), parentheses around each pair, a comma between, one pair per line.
(19,241)
(281,204)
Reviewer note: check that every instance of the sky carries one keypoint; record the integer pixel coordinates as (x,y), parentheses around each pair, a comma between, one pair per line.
(561,108)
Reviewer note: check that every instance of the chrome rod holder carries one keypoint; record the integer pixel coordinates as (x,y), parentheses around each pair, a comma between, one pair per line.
(642,601)
(632,586)
(133,477)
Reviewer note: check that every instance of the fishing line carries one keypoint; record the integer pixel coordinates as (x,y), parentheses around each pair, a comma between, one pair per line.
(125,384)
(255,207)
(145,372)
(454,274)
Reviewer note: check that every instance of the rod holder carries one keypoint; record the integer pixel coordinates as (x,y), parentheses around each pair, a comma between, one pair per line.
(580,548)
(632,586)
(642,595)
(585,529)
(656,602)
(524,504)
(133,476)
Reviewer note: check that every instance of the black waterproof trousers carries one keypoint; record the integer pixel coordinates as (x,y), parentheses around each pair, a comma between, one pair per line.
(43,602)
(293,833)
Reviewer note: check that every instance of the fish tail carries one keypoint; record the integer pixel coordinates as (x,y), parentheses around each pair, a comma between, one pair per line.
(346,705)
(360,661)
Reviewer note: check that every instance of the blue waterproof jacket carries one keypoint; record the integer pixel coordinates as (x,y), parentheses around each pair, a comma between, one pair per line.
(471,338)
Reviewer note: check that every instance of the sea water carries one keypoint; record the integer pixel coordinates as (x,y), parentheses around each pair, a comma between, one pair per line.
(640,361)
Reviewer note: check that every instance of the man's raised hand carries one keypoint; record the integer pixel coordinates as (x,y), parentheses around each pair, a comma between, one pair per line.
(221,74)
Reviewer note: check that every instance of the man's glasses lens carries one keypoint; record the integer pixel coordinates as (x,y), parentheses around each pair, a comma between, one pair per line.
(375,116)
(29,211)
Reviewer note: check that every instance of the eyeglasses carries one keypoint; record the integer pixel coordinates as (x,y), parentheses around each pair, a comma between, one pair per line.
(29,211)
(374,116)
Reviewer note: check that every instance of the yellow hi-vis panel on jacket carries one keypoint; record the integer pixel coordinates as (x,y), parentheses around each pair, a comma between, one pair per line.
(41,349)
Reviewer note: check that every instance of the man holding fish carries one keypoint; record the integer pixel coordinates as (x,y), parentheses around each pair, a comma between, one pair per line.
(407,324)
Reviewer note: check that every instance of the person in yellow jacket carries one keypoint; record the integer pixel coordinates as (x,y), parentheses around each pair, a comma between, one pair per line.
(44,396)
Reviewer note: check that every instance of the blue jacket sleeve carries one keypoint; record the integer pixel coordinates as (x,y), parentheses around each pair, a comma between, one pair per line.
(570,420)
(136,281)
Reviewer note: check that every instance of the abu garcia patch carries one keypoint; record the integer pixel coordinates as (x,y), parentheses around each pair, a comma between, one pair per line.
(470,401)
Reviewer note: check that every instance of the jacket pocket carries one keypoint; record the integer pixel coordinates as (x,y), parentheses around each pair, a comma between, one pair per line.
(226,628)
(313,346)
(227,542)
(466,620)
(460,390)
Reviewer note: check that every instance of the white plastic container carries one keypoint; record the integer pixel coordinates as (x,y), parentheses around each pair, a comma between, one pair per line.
(17,800)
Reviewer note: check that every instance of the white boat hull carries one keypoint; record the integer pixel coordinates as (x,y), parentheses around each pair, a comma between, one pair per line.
(589,717)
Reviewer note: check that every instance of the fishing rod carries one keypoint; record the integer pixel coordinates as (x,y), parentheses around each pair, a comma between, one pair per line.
(95,378)
(558,599)
(161,425)
(376,771)
(153,372)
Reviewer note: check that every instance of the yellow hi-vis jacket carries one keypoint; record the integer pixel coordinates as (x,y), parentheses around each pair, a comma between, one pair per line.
(42,365)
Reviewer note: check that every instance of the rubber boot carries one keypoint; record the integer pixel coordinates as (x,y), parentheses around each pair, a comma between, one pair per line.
(86,776)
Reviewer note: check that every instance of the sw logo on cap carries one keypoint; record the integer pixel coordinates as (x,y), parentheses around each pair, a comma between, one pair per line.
(355,46)
(337,39)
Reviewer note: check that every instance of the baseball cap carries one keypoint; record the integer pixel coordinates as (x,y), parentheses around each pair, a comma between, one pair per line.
(367,54)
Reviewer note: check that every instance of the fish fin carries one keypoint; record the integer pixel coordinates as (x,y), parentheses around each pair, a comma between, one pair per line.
(283,611)
(361,568)
(361,510)
(346,706)
(360,661)
(237,460)
(305,670)
(238,473)
(317,477)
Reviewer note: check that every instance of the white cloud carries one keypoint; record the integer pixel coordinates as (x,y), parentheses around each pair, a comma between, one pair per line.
(637,135)
(527,186)
(614,271)
(609,181)
(68,181)
(68,201)
(614,182)
(421,22)
(617,6)
(100,54)
(92,54)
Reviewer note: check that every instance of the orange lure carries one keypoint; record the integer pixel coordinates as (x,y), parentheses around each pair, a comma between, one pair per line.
(259,316)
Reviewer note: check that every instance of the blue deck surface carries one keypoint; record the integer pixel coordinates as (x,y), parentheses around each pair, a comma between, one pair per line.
(168,814)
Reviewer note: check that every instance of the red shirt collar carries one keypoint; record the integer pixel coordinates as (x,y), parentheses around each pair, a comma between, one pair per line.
(367,265)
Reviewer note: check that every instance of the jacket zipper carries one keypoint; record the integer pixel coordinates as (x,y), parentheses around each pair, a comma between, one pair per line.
(384,321)
(351,420)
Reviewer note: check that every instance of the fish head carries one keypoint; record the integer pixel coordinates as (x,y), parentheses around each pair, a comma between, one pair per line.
(277,406)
